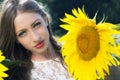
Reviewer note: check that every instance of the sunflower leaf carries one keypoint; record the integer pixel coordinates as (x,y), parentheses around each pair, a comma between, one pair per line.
(10,64)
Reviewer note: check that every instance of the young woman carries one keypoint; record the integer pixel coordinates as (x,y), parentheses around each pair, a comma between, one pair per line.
(25,35)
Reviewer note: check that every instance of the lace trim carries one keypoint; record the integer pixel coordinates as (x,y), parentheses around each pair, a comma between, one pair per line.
(49,70)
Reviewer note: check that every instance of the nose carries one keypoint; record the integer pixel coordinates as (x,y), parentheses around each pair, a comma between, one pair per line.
(35,36)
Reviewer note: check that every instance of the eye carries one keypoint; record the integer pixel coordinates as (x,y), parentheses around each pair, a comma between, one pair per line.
(36,25)
(22,33)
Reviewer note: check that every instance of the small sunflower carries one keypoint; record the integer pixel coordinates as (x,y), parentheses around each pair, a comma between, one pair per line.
(87,46)
(2,67)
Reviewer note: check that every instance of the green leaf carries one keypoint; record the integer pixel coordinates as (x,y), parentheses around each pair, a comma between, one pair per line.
(11,64)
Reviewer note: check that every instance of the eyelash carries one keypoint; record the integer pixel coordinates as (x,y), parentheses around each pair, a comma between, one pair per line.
(21,33)
(34,26)
(37,24)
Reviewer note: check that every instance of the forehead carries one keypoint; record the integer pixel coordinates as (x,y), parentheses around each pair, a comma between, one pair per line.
(26,19)
(26,16)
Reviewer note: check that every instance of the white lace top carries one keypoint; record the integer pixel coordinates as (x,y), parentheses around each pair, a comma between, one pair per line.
(49,70)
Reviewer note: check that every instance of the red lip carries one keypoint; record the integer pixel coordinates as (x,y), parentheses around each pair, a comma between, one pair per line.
(40,44)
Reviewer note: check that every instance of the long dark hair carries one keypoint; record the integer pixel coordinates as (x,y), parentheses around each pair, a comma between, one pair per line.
(8,41)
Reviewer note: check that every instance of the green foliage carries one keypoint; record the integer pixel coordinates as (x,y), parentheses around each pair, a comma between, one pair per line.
(116,57)
(118,26)
(101,79)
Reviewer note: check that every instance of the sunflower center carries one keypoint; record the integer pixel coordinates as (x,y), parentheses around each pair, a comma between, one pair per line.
(88,43)
(83,47)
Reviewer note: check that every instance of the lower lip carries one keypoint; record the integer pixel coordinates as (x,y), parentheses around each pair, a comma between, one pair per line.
(39,45)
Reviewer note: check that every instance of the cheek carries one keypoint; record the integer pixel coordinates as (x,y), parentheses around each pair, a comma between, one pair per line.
(47,32)
(44,32)
(25,42)
(47,35)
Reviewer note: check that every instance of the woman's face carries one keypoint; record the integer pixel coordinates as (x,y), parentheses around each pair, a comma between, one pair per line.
(31,31)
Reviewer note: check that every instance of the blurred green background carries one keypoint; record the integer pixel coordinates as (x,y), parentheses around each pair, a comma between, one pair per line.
(57,9)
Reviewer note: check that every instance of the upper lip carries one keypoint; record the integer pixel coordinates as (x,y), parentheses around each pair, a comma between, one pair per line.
(39,43)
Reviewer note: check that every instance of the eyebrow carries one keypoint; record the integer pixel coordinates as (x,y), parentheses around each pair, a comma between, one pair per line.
(31,25)
(34,22)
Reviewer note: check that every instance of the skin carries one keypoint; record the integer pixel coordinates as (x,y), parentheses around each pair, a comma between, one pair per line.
(31,29)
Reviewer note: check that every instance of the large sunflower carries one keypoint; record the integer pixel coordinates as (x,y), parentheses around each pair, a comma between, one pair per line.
(87,46)
(2,67)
